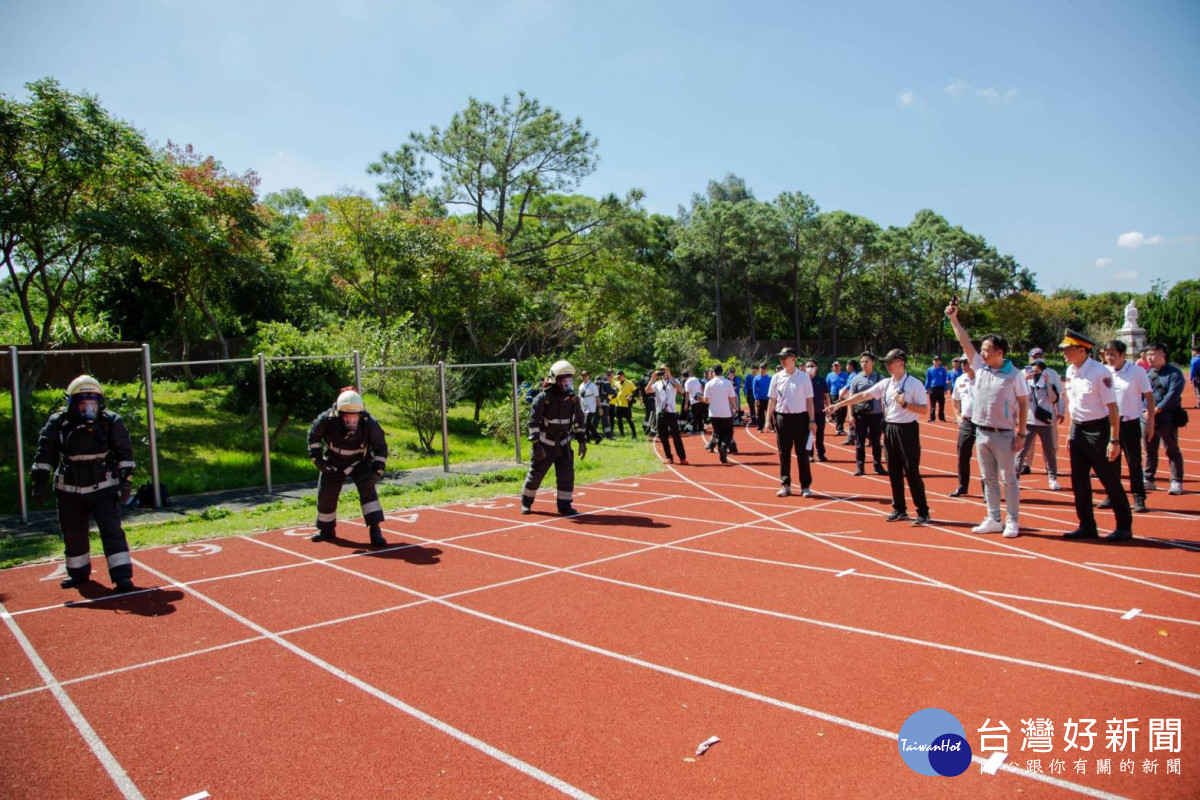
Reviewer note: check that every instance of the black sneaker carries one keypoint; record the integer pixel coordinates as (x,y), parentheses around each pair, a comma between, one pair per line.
(1139,505)
(1119,535)
(880,470)
(898,516)
(733,448)
(859,471)
(123,585)
(922,519)
(1105,503)
(822,457)
(377,539)
(323,536)
(959,492)
(1026,470)
(709,448)
(724,457)
(1080,533)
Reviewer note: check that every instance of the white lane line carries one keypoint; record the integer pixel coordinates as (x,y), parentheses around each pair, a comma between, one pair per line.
(1086,607)
(1131,613)
(844,573)
(505,758)
(967,592)
(724,687)
(1002,545)
(113,767)
(1143,569)
(897,542)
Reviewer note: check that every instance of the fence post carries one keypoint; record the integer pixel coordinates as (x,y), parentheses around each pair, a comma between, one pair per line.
(150,425)
(445,422)
(357,372)
(516,409)
(16,391)
(266,426)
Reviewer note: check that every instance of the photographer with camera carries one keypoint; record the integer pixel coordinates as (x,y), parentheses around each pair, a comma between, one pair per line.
(665,388)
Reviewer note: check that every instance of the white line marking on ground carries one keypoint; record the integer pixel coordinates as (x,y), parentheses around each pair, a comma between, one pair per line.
(844,573)
(1143,569)
(1131,613)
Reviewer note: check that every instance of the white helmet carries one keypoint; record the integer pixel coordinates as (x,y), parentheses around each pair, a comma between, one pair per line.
(84,384)
(561,369)
(349,401)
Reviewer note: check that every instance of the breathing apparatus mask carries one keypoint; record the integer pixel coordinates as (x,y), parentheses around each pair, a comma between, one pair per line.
(87,406)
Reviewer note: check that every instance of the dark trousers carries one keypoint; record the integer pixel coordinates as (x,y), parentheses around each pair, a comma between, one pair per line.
(902,440)
(819,439)
(839,418)
(329,487)
(647,423)
(1087,443)
(937,399)
(590,420)
(668,429)
(562,458)
(966,448)
(74,510)
(1168,434)
(1131,448)
(760,413)
(699,415)
(869,428)
(623,414)
(606,420)
(791,431)
(723,432)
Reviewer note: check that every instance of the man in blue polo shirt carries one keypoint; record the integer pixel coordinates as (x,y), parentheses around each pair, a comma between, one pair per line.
(935,387)
(837,380)
(761,386)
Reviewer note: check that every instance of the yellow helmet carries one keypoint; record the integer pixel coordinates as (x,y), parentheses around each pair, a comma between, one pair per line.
(349,401)
(561,369)
(84,384)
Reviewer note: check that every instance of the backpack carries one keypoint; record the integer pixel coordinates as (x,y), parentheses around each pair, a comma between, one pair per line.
(144,498)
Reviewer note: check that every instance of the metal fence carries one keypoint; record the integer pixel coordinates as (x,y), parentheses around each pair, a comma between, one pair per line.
(149,366)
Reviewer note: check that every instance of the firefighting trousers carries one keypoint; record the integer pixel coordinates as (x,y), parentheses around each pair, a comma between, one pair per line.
(329,487)
(74,511)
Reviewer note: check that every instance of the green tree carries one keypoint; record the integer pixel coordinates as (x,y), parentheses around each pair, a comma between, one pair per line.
(846,245)
(798,214)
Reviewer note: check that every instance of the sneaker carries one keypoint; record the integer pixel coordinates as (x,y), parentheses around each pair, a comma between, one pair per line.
(1026,470)
(1176,488)
(526,510)
(921,521)
(806,492)
(377,539)
(988,525)
(897,516)
(784,491)
(858,472)
(683,462)
(1119,535)
(848,443)
(1151,486)
(1080,533)
(670,460)
(323,536)
(1054,485)
(822,457)
(880,470)
(1139,505)
(1011,530)
(123,585)
(733,448)
(724,457)
(708,448)
(959,492)
(1105,503)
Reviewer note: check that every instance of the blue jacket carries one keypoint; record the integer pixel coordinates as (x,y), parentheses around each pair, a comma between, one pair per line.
(762,387)
(1195,369)
(935,378)
(836,381)
(1167,384)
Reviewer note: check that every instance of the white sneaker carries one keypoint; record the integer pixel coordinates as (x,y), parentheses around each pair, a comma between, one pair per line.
(989,525)
(806,493)
(1055,486)
(1011,529)
(1176,488)
(783,491)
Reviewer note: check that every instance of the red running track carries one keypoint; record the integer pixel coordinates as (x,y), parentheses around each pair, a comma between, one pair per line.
(486,654)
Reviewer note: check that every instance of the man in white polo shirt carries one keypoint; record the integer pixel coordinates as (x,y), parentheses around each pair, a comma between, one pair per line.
(904,401)
(1001,406)
(589,393)
(722,404)
(790,414)
(961,402)
(1132,387)
(1095,439)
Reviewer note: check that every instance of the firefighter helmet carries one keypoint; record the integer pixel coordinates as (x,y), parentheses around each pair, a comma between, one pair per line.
(349,401)
(561,369)
(84,384)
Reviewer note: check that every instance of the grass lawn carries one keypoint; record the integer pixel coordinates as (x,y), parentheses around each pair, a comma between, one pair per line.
(615,459)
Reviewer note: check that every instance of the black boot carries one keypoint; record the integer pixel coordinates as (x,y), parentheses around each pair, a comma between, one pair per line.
(323,536)
(377,539)
(567,511)
(71,581)
(123,585)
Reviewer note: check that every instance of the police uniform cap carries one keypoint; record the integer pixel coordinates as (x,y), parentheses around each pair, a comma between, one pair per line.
(1076,339)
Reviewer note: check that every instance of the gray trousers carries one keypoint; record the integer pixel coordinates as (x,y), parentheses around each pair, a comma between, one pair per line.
(997,461)
(1169,435)
(1049,437)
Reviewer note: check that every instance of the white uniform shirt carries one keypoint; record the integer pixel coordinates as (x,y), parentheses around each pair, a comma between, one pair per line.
(791,392)
(718,393)
(588,392)
(914,392)
(694,389)
(1090,391)
(1131,384)
(964,393)
(664,396)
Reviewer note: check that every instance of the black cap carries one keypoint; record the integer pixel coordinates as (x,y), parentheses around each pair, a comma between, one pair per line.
(895,354)
(786,352)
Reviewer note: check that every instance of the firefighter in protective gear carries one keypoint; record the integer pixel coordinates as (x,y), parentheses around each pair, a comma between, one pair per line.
(555,416)
(88,451)
(346,441)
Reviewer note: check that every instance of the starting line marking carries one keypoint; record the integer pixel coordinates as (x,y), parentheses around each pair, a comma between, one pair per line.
(844,573)
(993,763)
(1131,613)
(197,796)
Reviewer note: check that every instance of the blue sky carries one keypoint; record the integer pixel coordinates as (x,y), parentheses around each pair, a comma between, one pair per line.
(1068,134)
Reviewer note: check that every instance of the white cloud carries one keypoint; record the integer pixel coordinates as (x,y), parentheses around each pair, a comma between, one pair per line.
(906,98)
(1135,239)
(1103,263)
(988,93)
(956,88)
(1127,275)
